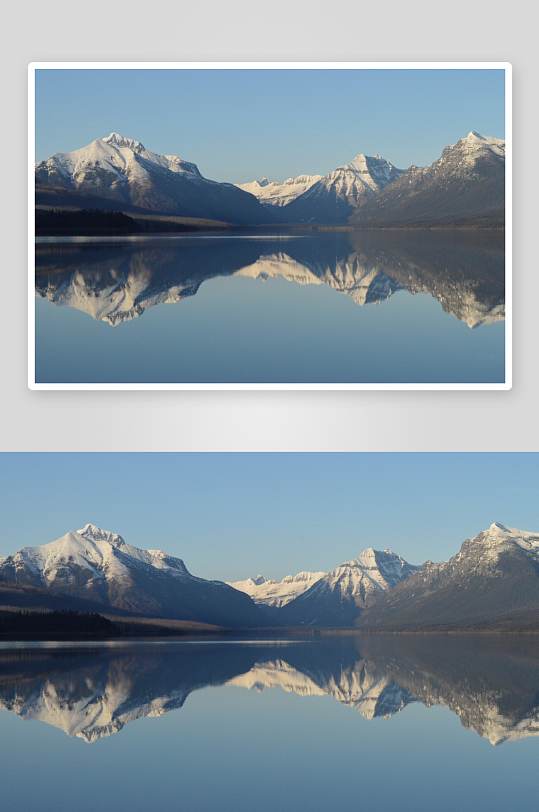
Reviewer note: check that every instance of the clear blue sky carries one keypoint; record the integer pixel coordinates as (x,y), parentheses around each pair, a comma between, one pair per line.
(231,516)
(238,125)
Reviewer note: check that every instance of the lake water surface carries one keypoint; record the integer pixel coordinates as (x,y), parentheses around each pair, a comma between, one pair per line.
(351,307)
(346,722)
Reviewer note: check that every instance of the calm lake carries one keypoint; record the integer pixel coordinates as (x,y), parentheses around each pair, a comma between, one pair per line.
(407,723)
(272,309)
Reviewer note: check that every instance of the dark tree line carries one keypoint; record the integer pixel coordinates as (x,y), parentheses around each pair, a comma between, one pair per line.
(84,221)
(29,625)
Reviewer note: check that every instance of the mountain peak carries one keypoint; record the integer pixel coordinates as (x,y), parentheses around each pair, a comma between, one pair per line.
(496,527)
(91,531)
(91,528)
(118,140)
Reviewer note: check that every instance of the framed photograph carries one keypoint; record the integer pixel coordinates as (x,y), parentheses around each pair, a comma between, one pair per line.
(270,225)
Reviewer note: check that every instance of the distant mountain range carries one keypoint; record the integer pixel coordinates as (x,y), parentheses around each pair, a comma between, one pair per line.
(493,582)
(338,598)
(335,598)
(279,194)
(277,593)
(465,186)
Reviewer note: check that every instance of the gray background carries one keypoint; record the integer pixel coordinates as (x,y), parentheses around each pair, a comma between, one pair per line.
(268,421)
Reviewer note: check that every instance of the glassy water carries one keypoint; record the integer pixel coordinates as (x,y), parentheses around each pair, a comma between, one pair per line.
(274,309)
(317,723)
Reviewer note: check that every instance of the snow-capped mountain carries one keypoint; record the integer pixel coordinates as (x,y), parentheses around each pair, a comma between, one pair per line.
(341,595)
(272,193)
(334,197)
(465,185)
(277,593)
(494,574)
(123,170)
(100,566)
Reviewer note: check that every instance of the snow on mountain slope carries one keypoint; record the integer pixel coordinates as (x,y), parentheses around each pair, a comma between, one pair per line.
(476,146)
(104,554)
(279,194)
(499,538)
(123,170)
(341,595)
(97,565)
(334,197)
(361,580)
(122,157)
(277,593)
(371,573)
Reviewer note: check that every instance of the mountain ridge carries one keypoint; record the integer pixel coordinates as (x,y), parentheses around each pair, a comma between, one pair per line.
(465,186)
(496,573)
(492,582)
(466,182)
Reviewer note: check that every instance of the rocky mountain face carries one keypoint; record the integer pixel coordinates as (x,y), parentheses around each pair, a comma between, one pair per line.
(277,593)
(334,197)
(124,171)
(494,574)
(341,595)
(99,566)
(272,193)
(466,185)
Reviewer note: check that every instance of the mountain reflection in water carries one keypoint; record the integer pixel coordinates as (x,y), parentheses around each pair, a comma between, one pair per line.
(117,282)
(492,684)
